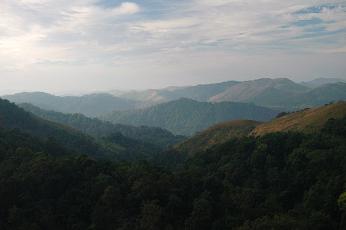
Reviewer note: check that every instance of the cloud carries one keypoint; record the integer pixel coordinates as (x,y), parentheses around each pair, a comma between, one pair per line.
(37,34)
(127,8)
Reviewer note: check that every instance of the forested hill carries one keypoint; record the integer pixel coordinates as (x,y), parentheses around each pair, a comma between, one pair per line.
(92,105)
(186,116)
(216,135)
(276,181)
(113,146)
(307,120)
(97,128)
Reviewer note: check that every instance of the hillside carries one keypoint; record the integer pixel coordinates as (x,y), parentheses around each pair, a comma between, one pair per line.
(97,128)
(280,93)
(186,116)
(12,117)
(263,91)
(197,92)
(322,81)
(216,135)
(307,120)
(278,181)
(92,105)
(318,96)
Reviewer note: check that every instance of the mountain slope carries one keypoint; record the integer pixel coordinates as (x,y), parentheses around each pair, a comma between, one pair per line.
(322,81)
(197,92)
(318,96)
(114,147)
(92,105)
(265,91)
(307,120)
(186,116)
(216,135)
(97,128)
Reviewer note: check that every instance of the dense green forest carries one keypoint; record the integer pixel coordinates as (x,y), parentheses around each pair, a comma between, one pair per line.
(98,129)
(276,181)
(112,145)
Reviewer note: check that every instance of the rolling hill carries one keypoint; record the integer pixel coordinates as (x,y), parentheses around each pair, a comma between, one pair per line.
(216,135)
(265,91)
(280,93)
(114,146)
(307,120)
(92,105)
(322,81)
(199,93)
(186,116)
(318,96)
(98,129)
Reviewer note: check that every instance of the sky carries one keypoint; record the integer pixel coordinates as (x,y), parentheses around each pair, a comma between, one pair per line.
(72,46)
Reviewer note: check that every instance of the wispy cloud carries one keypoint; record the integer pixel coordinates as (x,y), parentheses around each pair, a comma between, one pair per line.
(75,32)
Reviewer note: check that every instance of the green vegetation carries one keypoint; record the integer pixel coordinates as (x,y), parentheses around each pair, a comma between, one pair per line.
(13,117)
(98,129)
(307,120)
(55,177)
(277,181)
(215,135)
(186,116)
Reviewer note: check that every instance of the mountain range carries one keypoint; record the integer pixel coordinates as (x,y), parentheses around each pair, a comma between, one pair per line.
(187,116)
(281,93)
(92,105)
(321,81)
(113,145)
(305,121)
(68,171)
(98,129)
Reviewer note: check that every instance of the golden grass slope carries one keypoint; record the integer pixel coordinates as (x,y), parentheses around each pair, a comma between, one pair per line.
(308,120)
(217,134)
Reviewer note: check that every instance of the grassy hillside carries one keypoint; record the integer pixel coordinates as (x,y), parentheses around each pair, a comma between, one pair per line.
(307,120)
(97,128)
(215,135)
(186,116)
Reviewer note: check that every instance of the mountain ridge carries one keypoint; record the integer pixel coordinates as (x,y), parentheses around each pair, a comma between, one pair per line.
(186,116)
(92,105)
(117,147)
(97,128)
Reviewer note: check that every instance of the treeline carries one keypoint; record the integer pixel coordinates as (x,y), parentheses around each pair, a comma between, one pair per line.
(278,181)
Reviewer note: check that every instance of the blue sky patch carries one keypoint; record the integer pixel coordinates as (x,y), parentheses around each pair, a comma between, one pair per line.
(317,9)
(308,22)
